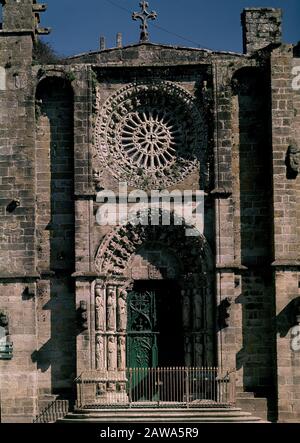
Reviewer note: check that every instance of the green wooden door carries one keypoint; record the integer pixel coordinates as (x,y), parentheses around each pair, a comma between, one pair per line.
(154,336)
(142,351)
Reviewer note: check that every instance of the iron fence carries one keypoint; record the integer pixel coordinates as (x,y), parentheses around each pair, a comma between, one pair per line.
(55,410)
(160,387)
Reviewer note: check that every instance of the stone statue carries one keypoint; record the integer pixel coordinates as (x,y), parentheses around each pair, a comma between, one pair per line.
(101,388)
(293,158)
(111,353)
(100,363)
(122,353)
(122,387)
(111,311)
(186,309)
(111,386)
(99,307)
(204,86)
(3,328)
(2,336)
(122,311)
(197,309)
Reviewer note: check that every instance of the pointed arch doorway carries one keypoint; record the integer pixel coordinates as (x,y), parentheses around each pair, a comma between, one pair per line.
(154,313)
(155,335)
(160,279)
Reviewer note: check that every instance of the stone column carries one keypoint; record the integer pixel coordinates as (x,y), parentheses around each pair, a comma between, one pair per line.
(224,204)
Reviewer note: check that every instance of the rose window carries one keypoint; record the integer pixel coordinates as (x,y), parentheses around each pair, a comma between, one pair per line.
(149,139)
(150,134)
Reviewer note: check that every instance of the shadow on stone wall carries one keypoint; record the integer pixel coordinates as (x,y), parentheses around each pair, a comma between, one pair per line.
(286,319)
(257,357)
(55,236)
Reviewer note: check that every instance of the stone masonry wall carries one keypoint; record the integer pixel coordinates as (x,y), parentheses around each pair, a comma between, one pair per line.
(261,27)
(47,204)
(17,158)
(18,16)
(257,356)
(55,176)
(18,377)
(245,244)
(295,138)
(55,236)
(286,239)
(254,182)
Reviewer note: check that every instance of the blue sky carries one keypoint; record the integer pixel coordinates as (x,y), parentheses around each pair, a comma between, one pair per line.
(214,24)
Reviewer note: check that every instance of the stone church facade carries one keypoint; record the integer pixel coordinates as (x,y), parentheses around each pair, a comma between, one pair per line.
(77,296)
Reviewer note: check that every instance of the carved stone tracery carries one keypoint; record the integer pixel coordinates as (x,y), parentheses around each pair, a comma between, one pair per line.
(149,139)
(153,131)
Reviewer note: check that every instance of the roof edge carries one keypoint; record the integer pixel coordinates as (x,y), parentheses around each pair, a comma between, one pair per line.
(136,45)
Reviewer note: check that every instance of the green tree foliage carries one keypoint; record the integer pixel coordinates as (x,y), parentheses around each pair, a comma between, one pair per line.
(44,54)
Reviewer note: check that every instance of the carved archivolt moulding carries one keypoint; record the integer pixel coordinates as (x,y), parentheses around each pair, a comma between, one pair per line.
(120,245)
(150,134)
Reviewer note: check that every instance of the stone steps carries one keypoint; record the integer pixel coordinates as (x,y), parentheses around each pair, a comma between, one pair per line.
(245,395)
(256,406)
(157,415)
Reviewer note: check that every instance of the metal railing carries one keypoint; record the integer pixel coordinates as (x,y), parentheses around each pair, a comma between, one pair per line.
(55,410)
(160,387)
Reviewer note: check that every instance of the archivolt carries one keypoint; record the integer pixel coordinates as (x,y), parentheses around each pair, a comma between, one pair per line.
(117,248)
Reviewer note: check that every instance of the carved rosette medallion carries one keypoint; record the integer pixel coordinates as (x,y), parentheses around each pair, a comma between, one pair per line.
(153,132)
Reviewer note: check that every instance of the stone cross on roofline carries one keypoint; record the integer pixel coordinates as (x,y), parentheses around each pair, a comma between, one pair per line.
(144,16)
